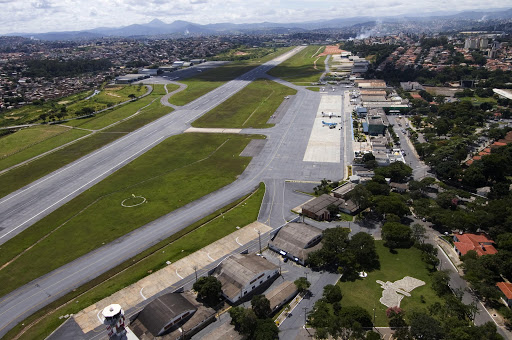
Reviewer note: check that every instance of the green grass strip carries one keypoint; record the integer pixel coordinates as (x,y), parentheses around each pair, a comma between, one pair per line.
(30,144)
(192,238)
(26,174)
(300,68)
(211,79)
(250,107)
(178,171)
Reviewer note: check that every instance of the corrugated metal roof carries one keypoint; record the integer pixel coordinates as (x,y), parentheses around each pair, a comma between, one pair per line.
(238,270)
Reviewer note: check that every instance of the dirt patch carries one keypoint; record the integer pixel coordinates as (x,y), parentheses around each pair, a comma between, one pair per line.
(241,53)
(62,102)
(113,88)
(113,94)
(445,91)
(331,49)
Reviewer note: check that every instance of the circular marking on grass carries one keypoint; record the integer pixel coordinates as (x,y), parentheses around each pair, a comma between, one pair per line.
(133,201)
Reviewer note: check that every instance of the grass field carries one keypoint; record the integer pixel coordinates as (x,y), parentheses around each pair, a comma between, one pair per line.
(145,116)
(23,175)
(205,162)
(210,80)
(251,107)
(300,69)
(313,88)
(190,239)
(110,95)
(476,100)
(367,292)
(28,143)
(106,118)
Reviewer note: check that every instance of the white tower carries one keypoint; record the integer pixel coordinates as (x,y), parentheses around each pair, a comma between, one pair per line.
(114,320)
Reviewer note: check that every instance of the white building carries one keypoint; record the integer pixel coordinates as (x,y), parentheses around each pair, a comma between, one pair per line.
(241,274)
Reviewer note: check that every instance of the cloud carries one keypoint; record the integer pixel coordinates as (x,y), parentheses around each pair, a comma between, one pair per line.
(59,15)
(42,4)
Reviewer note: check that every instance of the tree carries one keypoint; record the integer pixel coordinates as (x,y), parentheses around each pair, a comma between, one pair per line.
(321,317)
(361,196)
(362,246)
(423,326)
(358,314)
(132,96)
(332,294)
(334,242)
(418,232)
(302,284)
(244,320)
(440,280)
(261,306)
(392,204)
(396,235)
(266,329)
(209,289)
(397,171)
(333,210)
(371,335)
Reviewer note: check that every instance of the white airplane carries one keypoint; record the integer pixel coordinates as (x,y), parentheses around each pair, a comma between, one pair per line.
(330,125)
(330,114)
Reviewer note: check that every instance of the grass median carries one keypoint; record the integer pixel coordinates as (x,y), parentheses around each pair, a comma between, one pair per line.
(26,174)
(301,69)
(250,107)
(211,79)
(192,238)
(27,143)
(367,292)
(174,173)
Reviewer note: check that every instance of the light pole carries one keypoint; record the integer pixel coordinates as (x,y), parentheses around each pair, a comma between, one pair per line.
(195,271)
(259,239)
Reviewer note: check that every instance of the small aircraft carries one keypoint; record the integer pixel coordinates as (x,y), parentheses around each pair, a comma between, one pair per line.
(330,125)
(329,114)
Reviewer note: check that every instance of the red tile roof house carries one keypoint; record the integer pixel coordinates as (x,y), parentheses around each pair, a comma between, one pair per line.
(506,289)
(477,242)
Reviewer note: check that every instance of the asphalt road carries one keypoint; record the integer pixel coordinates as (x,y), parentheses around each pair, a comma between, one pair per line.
(280,159)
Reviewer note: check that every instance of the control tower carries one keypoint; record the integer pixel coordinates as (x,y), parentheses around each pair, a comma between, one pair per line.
(114,320)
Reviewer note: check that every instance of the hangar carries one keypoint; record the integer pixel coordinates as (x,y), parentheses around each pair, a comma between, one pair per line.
(241,274)
(172,315)
(296,241)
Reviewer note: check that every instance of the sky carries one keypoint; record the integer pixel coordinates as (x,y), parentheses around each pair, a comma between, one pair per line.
(39,16)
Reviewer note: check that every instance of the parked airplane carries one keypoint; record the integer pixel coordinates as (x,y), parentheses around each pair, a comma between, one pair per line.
(330,114)
(330,125)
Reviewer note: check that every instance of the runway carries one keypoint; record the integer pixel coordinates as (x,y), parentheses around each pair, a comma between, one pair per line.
(280,159)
